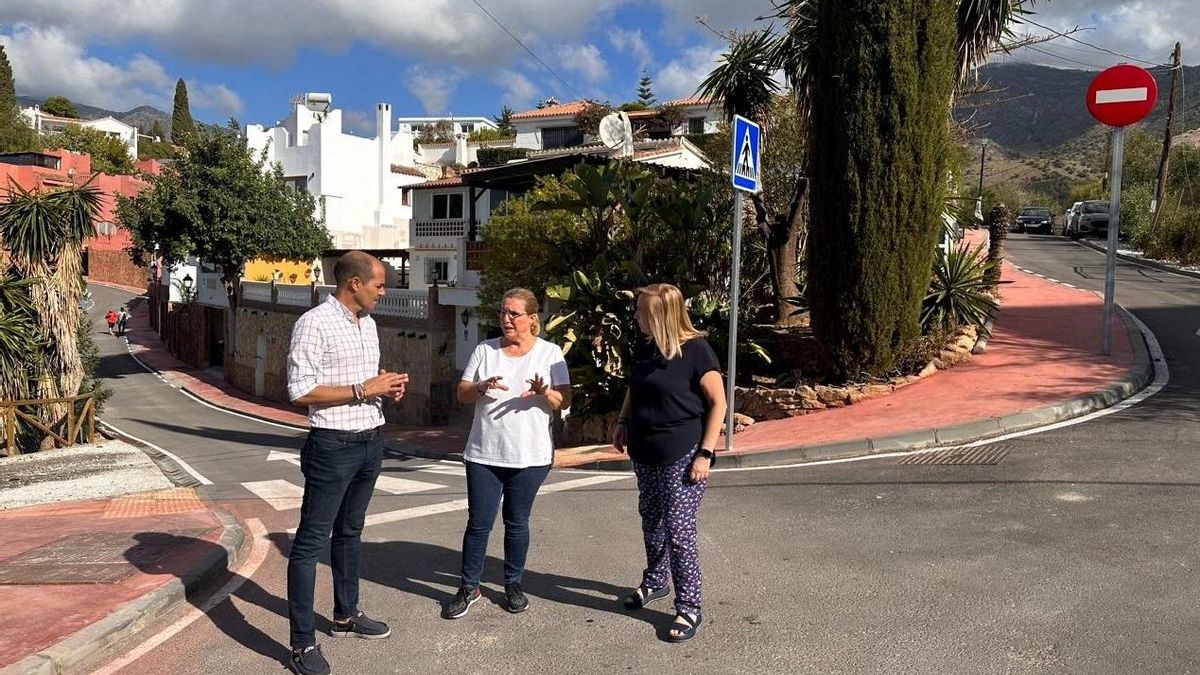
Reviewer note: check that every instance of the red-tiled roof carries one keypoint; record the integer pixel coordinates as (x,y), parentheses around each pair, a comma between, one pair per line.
(408,170)
(693,101)
(560,110)
(453,181)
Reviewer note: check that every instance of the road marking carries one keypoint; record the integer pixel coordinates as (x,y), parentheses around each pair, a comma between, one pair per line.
(182,464)
(446,469)
(1053,280)
(1128,95)
(461,504)
(260,546)
(280,494)
(1198,331)
(289,457)
(1070,285)
(403,486)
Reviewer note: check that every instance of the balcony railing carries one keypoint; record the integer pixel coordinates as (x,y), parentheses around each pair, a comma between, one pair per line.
(399,302)
(439,228)
(256,291)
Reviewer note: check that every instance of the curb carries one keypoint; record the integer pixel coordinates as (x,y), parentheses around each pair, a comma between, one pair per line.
(89,644)
(1153,264)
(1137,378)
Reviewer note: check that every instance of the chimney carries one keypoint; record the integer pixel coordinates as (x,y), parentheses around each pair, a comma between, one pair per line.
(383,130)
(403,146)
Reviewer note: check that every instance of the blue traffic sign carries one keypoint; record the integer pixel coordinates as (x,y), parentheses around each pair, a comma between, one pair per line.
(746,154)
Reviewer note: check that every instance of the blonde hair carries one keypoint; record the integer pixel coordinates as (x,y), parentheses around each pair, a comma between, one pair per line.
(530,301)
(667,318)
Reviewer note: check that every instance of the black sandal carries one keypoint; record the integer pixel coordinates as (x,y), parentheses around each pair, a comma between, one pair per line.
(644,595)
(687,629)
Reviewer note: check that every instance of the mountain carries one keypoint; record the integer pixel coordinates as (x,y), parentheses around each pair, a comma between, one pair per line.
(143,117)
(1038,110)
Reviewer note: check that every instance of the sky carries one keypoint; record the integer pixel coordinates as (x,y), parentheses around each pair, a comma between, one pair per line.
(247,58)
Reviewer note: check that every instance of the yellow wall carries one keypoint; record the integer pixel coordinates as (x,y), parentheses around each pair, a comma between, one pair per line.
(261,270)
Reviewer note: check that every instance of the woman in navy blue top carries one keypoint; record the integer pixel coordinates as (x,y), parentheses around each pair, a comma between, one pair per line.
(670,424)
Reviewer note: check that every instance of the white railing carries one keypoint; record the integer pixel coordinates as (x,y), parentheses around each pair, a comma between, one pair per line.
(293,295)
(405,303)
(401,302)
(256,291)
(211,292)
(439,228)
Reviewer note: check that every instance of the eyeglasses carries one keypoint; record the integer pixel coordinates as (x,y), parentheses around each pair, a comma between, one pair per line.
(513,316)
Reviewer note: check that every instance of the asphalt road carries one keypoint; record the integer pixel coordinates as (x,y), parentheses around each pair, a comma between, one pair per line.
(1076,553)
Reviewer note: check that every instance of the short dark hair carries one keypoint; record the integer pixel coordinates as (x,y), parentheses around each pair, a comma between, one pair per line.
(354,264)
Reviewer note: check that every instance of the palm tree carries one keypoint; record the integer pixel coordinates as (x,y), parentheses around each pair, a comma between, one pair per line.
(45,232)
(875,81)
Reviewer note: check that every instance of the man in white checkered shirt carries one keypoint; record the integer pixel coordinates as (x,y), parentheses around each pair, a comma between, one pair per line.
(333,368)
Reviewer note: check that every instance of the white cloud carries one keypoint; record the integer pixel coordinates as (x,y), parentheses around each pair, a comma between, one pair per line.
(631,41)
(519,91)
(359,123)
(720,14)
(48,62)
(682,75)
(433,88)
(584,60)
(273,31)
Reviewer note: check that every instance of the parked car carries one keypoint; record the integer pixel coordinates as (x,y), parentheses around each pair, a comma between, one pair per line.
(1092,219)
(1035,219)
(1071,216)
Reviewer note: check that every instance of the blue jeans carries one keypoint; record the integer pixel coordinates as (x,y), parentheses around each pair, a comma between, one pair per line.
(340,468)
(485,486)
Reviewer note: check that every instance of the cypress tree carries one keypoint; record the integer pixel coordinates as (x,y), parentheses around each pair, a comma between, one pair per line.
(883,72)
(182,125)
(15,134)
(645,93)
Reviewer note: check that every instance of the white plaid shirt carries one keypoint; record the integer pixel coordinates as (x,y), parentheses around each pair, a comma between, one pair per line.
(329,349)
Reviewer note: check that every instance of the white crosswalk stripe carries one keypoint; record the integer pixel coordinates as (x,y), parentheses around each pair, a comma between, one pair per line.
(280,494)
(445,469)
(403,486)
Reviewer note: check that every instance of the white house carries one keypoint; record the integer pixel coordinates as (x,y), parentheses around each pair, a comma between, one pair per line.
(356,181)
(46,123)
(451,214)
(554,127)
(459,125)
(700,115)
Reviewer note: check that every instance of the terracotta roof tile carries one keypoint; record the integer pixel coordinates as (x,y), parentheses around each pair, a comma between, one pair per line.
(408,170)
(562,109)
(710,102)
(453,181)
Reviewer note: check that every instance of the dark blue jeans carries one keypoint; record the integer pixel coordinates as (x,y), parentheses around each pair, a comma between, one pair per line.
(340,468)
(485,485)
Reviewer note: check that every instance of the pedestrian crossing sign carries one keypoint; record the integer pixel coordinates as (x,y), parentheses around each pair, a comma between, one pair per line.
(746,136)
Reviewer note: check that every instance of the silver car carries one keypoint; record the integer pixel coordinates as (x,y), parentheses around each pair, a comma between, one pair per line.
(1092,219)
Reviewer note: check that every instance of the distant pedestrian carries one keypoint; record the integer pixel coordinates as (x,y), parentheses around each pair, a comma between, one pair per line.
(670,423)
(516,382)
(111,319)
(122,320)
(333,368)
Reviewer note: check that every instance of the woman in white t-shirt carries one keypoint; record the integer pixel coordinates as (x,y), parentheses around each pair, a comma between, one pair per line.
(516,382)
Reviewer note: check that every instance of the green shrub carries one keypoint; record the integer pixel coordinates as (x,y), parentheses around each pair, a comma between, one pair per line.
(958,294)
(498,156)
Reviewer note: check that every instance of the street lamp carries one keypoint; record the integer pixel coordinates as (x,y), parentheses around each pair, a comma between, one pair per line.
(979,199)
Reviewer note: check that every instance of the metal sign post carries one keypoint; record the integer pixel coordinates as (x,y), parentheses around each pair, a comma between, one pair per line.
(1114,225)
(746,178)
(1118,97)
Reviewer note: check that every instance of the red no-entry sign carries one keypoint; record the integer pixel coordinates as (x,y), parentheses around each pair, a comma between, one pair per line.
(1122,95)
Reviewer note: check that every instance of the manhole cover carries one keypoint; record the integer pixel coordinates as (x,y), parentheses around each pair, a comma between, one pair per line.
(983,454)
(94,558)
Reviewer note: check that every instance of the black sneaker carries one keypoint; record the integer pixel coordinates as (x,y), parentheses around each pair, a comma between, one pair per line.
(360,626)
(515,600)
(460,604)
(308,661)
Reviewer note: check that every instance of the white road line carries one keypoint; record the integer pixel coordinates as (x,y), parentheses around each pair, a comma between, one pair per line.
(258,554)
(403,486)
(280,494)
(289,457)
(1053,280)
(182,464)
(461,504)
(1070,285)
(447,469)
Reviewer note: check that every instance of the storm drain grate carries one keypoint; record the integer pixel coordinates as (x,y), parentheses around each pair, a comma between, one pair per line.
(983,454)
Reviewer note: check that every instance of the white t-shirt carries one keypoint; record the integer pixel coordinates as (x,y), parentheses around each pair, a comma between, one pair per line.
(509,430)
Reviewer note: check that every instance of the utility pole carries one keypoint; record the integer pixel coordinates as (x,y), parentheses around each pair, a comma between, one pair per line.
(979,197)
(1108,139)
(1160,187)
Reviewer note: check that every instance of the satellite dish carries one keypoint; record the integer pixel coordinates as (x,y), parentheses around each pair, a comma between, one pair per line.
(617,132)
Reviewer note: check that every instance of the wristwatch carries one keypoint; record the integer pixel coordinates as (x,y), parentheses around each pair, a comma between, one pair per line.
(359,391)
(711,455)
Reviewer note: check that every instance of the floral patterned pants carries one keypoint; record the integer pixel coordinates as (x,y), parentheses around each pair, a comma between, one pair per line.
(668,502)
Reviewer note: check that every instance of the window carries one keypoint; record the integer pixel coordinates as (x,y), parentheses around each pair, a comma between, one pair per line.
(437,270)
(561,137)
(448,207)
(695,125)
(105,228)
(468,127)
(297,183)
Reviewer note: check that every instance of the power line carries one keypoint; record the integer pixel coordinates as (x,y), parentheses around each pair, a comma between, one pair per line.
(528,50)
(1088,44)
(1059,56)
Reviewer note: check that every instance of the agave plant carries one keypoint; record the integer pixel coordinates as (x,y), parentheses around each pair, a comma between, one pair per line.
(958,294)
